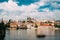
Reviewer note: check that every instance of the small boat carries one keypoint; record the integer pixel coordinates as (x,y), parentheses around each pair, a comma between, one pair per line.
(41,36)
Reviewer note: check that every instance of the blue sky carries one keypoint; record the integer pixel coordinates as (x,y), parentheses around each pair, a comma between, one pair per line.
(3,1)
(39,9)
(25,2)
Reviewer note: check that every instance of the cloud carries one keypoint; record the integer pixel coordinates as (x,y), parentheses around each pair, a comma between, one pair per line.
(40,10)
(12,9)
(51,6)
(1,10)
(57,14)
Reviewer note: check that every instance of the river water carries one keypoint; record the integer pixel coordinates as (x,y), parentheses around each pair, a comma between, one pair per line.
(30,34)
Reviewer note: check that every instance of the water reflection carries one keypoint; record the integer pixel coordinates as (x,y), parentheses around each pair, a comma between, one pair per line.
(57,35)
(30,34)
(48,31)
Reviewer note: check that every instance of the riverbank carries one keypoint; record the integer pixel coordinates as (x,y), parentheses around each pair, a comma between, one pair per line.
(44,27)
(57,28)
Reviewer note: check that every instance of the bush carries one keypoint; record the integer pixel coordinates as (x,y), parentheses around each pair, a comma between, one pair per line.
(57,26)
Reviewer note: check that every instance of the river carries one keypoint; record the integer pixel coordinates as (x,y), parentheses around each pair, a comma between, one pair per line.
(30,34)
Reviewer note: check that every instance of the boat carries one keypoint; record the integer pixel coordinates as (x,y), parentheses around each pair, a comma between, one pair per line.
(40,36)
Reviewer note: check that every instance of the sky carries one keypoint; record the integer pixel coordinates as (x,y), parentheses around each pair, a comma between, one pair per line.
(21,9)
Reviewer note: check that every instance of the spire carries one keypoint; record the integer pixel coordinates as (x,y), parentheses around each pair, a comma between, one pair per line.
(2,20)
